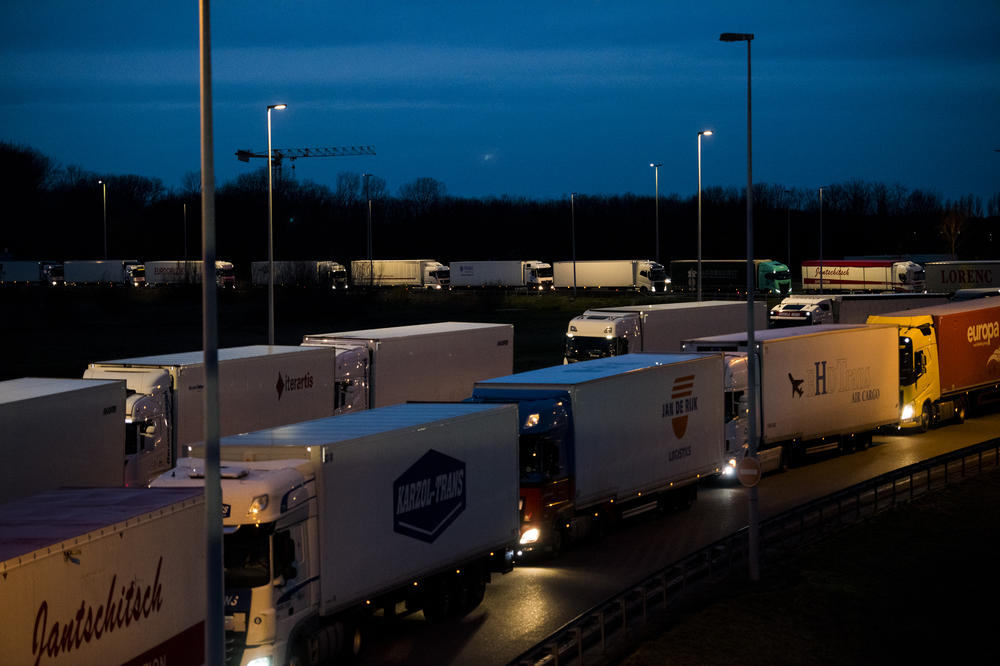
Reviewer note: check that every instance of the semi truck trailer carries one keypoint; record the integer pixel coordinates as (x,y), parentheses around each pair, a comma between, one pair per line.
(410,507)
(949,359)
(845,308)
(324,274)
(819,388)
(31,272)
(426,273)
(107,271)
(159,273)
(656,328)
(950,276)
(531,274)
(103,576)
(862,275)
(259,386)
(632,274)
(437,362)
(60,432)
(728,276)
(612,438)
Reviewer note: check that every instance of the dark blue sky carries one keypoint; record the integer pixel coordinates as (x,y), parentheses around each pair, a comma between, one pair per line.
(533,99)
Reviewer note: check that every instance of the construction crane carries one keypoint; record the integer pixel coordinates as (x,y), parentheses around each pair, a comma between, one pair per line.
(292,154)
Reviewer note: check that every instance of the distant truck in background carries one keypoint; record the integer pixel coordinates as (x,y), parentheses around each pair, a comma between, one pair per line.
(949,359)
(103,576)
(530,274)
(259,386)
(104,271)
(640,275)
(729,276)
(438,362)
(31,272)
(187,272)
(324,274)
(862,275)
(845,308)
(60,432)
(950,276)
(410,507)
(658,328)
(427,273)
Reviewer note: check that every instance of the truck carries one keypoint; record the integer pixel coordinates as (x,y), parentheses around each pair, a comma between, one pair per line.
(640,275)
(259,386)
(103,271)
(532,274)
(862,275)
(426,273)
(397,509)
(30,272)
(159,273)
(950,276)
(949,360)
(60,432)
(662,327)
(612,438)
(819,388)
(436,362)
(729,276)
(103,576)
(325,274)
(845,308)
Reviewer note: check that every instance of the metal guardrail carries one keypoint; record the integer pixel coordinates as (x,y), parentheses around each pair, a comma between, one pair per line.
(591,633)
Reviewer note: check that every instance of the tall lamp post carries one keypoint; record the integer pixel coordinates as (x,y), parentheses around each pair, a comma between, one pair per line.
(752,501)
(821,240)
(700,134)
(371,262)
(572,217)
(788,230)
(656,179)
(104,198)
(270,228)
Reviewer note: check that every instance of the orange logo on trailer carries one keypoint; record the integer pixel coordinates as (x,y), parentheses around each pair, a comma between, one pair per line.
(682,403)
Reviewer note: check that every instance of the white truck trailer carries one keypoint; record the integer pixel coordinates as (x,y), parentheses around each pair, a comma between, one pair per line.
(259,386)
(656,328)
(820,387)
(427,273)
(325,274)
(614,437)
(950,276)
(330,520)
(103,271)
(845,308)
(60,432)
(159,273)
(103,576)
(437,362)
(633,274)
(840,275)
(531,274)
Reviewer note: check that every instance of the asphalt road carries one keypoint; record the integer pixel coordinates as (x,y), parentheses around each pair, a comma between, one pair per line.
(528,604)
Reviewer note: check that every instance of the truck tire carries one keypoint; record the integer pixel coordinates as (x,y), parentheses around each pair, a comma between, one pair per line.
(960,411)
(437,599)
(925,418)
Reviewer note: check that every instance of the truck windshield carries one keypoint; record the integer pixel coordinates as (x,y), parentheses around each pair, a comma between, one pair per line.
(907,371)
(582,348)
(247,556)
(541,457)
(544,272)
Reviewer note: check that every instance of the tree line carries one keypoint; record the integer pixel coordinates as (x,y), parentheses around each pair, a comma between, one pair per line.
(55,212)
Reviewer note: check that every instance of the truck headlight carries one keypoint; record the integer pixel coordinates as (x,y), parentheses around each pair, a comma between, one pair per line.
(260,661)
(907,413)
(529,536)
(257,506)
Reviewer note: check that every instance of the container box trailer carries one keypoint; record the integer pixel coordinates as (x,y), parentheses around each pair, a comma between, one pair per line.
(437,362)
(821,387)
(259,386)
(187,272)
(329,520)
(949,359)
(633,274)
(501,274)
(656,328)
(862,275)
(325,274)
(727,276)
(60,432)
(107,271)
(27,272)
(950,276)
(613,437)
(103,576)
(845,308)
(427,273)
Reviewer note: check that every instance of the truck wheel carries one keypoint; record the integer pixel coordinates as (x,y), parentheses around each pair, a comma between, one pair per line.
(960,411)
(437,599)
(925,418)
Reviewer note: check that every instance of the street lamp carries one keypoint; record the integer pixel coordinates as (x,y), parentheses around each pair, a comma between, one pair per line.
(270,228)
(104,197)
(821,240)
(656,179)
(752,501)
(572,217)
(788,230)
(371,262)
(700,134)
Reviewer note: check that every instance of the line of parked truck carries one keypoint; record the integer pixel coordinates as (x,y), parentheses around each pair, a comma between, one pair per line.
(396,470)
